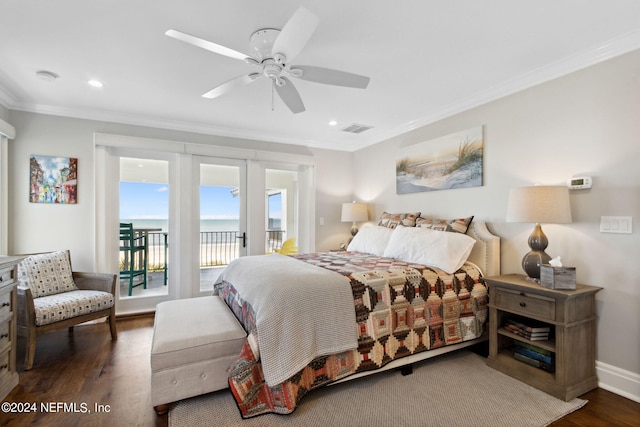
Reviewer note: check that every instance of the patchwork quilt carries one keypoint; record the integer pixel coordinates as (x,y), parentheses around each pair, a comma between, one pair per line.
(400,309)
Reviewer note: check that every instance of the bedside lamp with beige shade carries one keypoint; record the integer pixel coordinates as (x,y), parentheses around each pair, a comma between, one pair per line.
(354,212)
(539,204)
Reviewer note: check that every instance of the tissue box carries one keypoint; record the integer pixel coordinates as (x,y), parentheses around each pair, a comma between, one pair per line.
(558,277)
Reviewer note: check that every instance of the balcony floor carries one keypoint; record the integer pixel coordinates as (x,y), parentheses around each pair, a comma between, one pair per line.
(155,283)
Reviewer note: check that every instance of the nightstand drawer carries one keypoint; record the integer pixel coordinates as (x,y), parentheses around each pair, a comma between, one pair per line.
(525,304)
(5,336)
(4,363)
(7,276)
(5,303)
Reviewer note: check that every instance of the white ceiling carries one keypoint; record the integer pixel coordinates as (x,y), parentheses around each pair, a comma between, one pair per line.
(427,59)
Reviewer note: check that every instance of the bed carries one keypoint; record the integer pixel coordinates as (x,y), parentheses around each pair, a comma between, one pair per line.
(320,318)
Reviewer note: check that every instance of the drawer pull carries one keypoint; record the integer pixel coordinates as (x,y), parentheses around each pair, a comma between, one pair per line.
(523,304)
(6,304)
(5,366)
(4,336)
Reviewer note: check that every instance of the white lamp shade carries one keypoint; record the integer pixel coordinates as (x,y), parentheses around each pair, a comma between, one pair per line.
(539,204)
(354,212)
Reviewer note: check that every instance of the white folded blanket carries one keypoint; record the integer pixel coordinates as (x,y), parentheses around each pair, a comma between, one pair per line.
(302,311)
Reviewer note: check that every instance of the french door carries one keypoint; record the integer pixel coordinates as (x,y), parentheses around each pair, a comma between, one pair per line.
(220,218)
(202,206)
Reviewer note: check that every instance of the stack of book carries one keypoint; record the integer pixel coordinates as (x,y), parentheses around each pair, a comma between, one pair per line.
(534,356)
(533,332)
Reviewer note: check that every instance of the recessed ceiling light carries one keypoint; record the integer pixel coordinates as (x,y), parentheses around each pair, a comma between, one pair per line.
(95,83)
(47,76)
(333,123)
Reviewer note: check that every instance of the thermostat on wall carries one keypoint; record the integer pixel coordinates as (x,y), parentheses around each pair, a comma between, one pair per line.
(579,183)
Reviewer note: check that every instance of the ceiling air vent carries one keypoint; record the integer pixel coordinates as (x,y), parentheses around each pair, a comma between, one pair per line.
(356,128)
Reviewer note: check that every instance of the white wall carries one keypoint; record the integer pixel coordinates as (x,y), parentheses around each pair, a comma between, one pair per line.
(584,123)
(334,186)
(4,113)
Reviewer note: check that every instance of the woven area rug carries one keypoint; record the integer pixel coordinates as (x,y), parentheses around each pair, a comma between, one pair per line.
(455,389)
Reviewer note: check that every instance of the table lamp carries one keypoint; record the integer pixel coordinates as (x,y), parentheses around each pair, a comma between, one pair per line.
(539,204)
(352,212)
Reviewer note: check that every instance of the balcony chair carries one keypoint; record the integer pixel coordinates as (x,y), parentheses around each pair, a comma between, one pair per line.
(288,247)
(51,296)
(133,256)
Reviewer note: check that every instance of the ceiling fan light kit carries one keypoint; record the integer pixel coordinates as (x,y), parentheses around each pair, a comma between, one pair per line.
(273,49)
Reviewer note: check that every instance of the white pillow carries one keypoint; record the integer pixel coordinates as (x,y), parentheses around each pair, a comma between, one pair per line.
(444,250)
(371,239)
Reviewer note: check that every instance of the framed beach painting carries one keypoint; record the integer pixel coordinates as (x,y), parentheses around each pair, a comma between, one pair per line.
(451,161)
(53,179)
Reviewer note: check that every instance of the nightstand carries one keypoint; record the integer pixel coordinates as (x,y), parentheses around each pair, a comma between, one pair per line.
(571,318)
(8,313)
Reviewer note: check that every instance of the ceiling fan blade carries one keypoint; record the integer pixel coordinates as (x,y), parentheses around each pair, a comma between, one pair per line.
(330,77)
(205,44)
(295,34)
(230,85)
(290,96)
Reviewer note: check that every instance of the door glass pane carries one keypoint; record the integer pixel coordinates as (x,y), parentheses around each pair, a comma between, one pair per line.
(282,200)
(144,203)
(220,231)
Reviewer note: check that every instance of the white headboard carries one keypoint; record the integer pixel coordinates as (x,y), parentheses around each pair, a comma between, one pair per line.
(486,251)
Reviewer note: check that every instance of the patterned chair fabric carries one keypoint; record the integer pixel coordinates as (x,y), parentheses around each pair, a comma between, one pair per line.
(46,274)
(54,308)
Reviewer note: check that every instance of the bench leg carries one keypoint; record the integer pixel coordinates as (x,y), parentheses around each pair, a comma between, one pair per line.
(162,409)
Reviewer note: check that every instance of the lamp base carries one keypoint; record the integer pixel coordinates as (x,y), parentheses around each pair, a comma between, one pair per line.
(531,262)
(354,229)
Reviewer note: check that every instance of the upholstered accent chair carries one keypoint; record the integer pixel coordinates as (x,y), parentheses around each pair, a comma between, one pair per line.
(51,296)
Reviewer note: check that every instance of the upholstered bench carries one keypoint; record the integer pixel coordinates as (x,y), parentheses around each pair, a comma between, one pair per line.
(195,342)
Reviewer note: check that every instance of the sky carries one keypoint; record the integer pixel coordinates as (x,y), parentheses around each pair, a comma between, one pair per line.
(142,200)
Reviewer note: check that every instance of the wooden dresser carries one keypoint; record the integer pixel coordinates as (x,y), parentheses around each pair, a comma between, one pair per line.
(8,313)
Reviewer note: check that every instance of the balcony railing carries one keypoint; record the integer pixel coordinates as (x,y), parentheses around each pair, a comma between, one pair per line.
(217,248)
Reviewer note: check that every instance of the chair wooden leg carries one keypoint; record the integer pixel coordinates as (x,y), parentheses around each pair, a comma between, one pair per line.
(112,325)
(31,350)
(162,409)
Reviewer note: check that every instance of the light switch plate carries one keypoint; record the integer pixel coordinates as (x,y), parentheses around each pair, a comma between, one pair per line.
(616,224)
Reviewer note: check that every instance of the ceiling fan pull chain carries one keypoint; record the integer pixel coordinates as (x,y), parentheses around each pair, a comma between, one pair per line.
(272,102)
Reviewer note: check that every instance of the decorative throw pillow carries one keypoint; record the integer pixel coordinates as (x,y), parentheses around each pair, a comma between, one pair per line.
(46,274)
(391,220)
(446,251)
(459,225)
(371,240)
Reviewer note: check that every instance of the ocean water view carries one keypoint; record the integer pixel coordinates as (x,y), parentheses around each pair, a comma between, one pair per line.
(218,240)
(206,225)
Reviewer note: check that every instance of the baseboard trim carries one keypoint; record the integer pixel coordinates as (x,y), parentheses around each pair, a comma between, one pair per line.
(619,381)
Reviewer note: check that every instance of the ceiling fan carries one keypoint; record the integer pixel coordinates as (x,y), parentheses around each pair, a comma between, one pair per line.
(273,52)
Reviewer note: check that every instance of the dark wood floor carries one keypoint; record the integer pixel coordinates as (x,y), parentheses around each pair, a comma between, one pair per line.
(89,369)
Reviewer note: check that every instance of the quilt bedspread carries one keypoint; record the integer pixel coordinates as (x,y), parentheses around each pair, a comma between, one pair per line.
(400,309)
